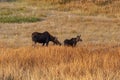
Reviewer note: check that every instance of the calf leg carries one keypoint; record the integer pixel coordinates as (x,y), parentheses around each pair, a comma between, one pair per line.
(73,45)
(34,44)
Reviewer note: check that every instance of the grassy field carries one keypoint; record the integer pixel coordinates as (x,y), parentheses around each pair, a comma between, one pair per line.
(88,62)
(63,25)
(96,58)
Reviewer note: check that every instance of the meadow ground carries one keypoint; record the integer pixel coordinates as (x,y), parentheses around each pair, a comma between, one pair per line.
(96,58)
(87,62)
(93,29)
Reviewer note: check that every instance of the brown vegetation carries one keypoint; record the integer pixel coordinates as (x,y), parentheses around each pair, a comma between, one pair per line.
(81,7)
(96,58)
(87,62)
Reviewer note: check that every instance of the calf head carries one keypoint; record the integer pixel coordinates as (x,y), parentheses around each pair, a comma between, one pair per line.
(78,38)
(55,41)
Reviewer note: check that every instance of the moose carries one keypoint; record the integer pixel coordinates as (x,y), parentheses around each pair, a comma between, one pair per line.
(72,42)
(44,38)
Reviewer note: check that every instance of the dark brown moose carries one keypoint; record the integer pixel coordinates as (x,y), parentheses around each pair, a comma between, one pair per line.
(72,42)
(44,38)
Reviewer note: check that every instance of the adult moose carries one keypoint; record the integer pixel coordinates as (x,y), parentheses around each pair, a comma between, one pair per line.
(44,38)
(72,42)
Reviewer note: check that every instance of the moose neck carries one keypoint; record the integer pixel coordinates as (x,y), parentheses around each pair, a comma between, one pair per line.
(52,38)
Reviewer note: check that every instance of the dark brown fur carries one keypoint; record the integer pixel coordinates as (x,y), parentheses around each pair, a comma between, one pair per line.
(44,38)
(72,42)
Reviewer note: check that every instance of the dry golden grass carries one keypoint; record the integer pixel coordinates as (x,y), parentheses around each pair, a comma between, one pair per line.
(63,25)
(86,62)
(96,58)
(82,7)
(32,7)
(94,29)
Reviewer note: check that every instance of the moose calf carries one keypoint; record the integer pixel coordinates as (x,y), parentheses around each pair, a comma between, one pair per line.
(72,42)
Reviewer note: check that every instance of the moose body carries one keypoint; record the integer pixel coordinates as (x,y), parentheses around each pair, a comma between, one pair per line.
(72,42)
(44,38)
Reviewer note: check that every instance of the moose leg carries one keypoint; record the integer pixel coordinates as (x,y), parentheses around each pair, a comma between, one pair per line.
(43,44)
(47,43)
(72,45)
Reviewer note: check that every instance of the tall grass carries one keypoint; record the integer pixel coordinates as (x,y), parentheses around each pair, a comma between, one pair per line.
(86,62)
